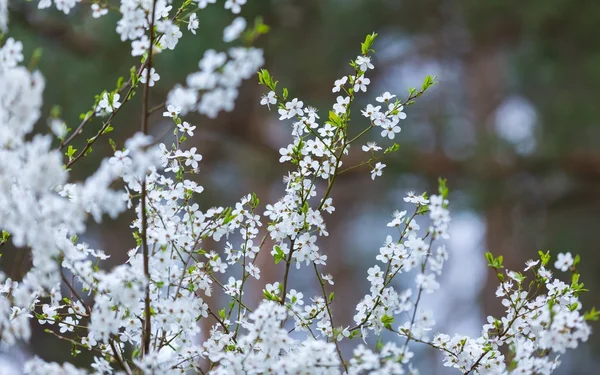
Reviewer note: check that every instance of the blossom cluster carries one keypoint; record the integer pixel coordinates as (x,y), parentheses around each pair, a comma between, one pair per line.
(218,80)
(144,316)
(543,320)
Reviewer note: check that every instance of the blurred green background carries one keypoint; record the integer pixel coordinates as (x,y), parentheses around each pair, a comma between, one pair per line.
(514,124)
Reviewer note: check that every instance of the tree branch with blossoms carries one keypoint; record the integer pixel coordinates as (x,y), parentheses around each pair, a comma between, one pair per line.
(144,316)
(147,328)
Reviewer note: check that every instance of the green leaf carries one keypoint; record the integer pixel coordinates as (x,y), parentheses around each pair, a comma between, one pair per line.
(442,187)
(519,277)
(55,111)
(544,257)
(263,29)
(227,216)
(573,306)
(305,207)
(285,93)
(366,45)
(137,238)
(133,75)
(264,78)
(334,119)
(108,129)
(592,315)
(423,210)
(35,57)
(254,201)
(494,262)
(279,254)
(259,27)
(71,151)
(268,296)
(428,82)
(393,148)
(387,321)
(86,116)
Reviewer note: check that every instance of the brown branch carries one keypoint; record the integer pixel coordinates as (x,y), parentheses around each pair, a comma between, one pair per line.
(147,331)
(112,115)
(91,141)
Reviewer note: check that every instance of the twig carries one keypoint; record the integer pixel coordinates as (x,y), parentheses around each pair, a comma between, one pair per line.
(147,331)
(337,347)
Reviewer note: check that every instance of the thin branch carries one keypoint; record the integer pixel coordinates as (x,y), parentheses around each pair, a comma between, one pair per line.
(147,331)
(286,275)
(91,141)
(156,108)
(337,347)
(87,119)
(414,315)
(74,292)
(118,358)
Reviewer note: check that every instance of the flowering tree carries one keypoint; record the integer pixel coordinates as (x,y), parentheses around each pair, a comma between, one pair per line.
(142,316)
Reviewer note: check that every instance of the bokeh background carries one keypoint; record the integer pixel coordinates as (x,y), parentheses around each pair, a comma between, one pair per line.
(514,125)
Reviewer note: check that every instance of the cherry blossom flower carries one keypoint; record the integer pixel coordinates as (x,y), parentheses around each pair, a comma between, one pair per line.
(377,171)
(563,261)
(233,31)
(390,129)
(268,99)
(530,264)
(234,5)
(108,103)
(361,83)
(364,63)
(293,108)
(340,106)
(204,3)
(385,97)
(371,147)
(339,83)
(411,197)
(153,76)
(193,23)
(172,111)
(98,11)
(186,127)
(371,112)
